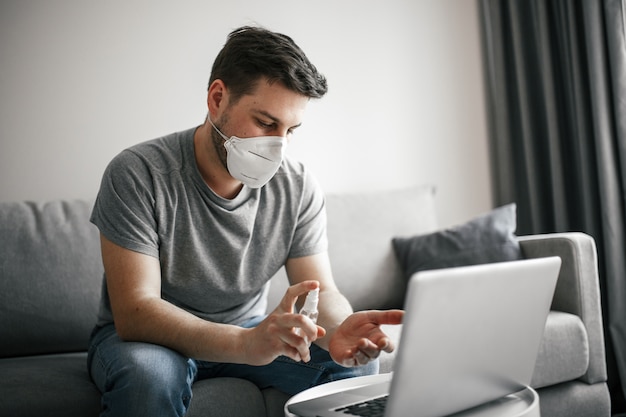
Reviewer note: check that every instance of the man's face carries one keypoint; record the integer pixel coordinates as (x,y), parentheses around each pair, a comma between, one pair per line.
(271,110)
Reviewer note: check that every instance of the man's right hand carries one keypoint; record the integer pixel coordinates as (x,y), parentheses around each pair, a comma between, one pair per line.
(276,336)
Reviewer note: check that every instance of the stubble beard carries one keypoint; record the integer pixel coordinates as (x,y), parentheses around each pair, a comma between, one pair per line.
(218,141)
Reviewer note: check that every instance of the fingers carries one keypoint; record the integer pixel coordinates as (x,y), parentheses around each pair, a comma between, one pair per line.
(380,341)
(386,316)
(362,337)
(295,333)
(301,331)
(300,338)
(368,351)
(365,352)
(295,291)
(299,345)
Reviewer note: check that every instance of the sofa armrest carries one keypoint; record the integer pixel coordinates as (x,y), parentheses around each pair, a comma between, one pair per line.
(577,290)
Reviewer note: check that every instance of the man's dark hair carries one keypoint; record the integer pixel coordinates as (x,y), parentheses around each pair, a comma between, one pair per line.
(251,53)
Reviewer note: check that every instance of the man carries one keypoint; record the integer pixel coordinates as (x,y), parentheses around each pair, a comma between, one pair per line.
(194,224)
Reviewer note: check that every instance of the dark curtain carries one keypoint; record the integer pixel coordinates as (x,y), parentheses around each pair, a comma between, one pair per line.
(556,96)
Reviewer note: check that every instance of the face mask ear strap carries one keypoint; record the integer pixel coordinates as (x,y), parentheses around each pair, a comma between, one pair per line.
(216,129)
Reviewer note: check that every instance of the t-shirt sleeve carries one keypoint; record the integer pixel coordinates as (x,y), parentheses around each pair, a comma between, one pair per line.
(124,209)
(310,234)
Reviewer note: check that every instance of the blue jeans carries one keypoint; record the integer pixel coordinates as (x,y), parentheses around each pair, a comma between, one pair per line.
(142,379)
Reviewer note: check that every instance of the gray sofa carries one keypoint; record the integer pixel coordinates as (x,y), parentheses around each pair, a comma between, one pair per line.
(50,277)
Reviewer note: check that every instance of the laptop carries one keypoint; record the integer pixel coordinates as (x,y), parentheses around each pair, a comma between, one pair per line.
(470,336)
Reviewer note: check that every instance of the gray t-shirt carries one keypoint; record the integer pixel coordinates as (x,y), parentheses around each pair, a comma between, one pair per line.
(216,255)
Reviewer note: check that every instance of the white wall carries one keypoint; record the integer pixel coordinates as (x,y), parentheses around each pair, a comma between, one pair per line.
(81,80)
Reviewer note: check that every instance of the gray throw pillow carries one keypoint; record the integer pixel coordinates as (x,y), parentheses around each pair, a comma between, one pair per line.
(486,239)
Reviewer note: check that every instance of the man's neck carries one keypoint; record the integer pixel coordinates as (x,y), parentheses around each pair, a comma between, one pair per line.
(213,172)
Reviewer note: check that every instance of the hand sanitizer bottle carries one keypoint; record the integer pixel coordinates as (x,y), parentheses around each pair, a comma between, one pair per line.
(310,307)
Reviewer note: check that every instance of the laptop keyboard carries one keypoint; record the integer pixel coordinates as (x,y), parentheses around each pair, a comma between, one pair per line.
(370,408)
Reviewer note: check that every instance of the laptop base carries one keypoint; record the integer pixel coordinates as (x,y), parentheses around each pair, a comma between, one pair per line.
(524,403)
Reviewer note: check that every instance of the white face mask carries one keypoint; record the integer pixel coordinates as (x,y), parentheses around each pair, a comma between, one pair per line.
(253,161)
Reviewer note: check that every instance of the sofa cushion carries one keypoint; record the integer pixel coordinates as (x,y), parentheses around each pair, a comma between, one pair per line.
(564,350)
(228,397)
(59,385)
(360,229)
(487,238)
(50,277)
(576,399)
(48,385)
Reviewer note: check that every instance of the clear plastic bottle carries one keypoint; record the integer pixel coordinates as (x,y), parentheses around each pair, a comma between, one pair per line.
(309,308)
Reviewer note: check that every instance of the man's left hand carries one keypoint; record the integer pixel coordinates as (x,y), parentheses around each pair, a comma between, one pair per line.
(359,339)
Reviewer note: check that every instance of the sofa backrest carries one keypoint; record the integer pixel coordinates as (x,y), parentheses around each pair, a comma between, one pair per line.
(50,277)
(360,229)
(51,269)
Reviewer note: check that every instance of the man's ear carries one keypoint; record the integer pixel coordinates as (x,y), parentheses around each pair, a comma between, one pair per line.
(217,97)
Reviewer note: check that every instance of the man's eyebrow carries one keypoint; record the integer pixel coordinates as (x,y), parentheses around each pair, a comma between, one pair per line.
(275,119)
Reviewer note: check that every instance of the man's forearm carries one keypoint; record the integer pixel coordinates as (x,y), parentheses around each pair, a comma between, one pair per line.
(160,322)
(140,314)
